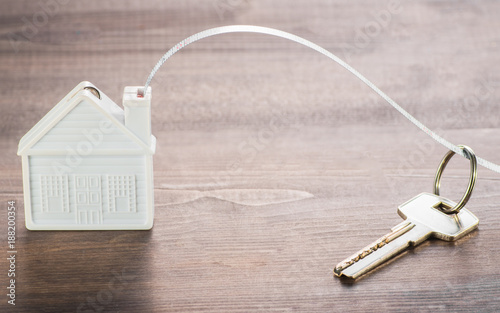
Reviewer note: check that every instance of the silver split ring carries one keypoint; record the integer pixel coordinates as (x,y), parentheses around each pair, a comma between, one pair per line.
(472,180)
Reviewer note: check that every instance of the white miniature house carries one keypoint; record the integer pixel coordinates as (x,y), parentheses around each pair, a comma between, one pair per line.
(88,164)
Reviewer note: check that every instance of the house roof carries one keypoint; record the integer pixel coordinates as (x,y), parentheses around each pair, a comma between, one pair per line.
(105,105)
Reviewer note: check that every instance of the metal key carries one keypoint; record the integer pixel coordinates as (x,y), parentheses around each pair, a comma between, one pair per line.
(423,219)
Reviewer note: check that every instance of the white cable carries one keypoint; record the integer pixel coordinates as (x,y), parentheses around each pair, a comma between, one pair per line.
(282,34)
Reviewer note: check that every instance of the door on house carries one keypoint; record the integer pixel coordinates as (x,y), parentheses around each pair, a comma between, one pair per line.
(88,199)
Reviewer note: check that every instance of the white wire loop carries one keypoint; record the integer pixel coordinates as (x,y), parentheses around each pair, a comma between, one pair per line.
(274,32)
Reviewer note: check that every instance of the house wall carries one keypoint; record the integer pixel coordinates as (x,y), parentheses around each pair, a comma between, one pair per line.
(84,194)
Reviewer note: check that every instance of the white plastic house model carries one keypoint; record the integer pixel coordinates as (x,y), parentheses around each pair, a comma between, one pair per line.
(88,164)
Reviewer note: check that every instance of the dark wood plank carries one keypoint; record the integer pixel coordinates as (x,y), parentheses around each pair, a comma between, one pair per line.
(324,183)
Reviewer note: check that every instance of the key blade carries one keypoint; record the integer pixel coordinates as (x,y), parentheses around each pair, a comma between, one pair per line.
(396,231)
(402,236)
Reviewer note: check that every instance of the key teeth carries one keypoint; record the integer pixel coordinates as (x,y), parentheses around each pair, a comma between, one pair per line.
(396,231)
(361,254)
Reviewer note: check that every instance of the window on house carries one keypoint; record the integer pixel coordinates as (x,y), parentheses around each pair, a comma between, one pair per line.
(122,197)
(54,189)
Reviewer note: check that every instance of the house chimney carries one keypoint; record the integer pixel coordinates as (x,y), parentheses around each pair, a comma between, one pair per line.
(138,112)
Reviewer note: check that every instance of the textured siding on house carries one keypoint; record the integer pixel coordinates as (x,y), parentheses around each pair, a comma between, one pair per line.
(100,189)
(86,130)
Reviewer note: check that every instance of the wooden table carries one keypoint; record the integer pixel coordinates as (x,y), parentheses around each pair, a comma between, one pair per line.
(301,165)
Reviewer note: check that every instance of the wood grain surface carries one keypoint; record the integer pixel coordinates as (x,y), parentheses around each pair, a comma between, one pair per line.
(273,163)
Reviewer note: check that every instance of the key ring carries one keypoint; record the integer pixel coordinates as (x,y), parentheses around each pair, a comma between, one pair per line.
(472,180)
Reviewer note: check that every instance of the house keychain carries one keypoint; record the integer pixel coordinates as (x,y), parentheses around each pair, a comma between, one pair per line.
(88,165)
(427,215)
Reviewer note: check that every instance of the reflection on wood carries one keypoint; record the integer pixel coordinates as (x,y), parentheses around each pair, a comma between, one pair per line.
(250,197)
